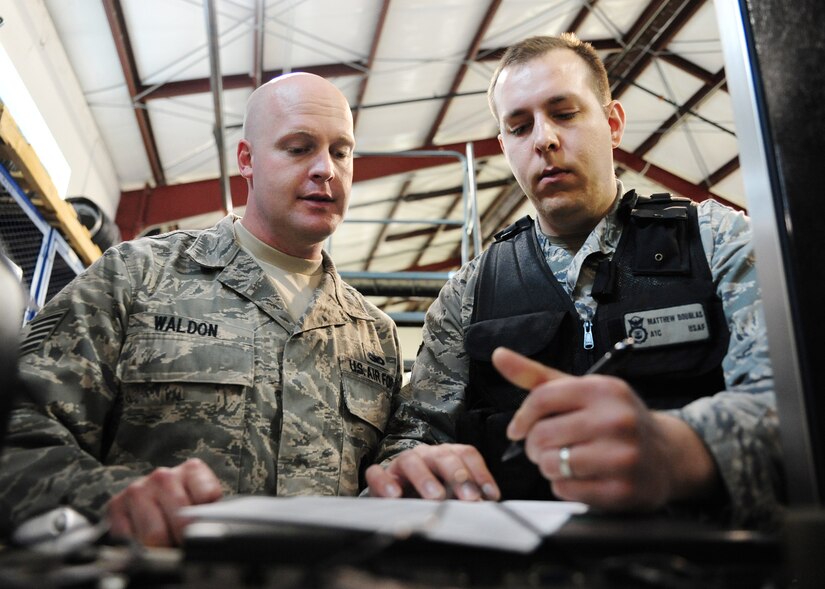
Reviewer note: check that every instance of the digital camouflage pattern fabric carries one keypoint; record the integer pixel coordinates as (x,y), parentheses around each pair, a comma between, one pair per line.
(179,346)
(739,425)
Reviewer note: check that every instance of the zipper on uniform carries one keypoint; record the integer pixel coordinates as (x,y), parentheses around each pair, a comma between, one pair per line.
(588,335)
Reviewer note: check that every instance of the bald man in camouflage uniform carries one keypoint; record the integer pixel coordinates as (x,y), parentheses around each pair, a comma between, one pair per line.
(694,425)
(197,364)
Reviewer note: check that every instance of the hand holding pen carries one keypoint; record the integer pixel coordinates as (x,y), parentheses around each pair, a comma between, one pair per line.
(607,364)
(594,439)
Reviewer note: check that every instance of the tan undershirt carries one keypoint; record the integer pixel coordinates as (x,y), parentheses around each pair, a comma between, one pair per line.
(571,243)
(295,278)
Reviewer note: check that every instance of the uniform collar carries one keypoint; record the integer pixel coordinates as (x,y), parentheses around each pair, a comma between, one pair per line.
(333,297)
(216,248)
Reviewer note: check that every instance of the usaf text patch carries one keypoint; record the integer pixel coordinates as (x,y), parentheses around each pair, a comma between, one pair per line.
(368,372)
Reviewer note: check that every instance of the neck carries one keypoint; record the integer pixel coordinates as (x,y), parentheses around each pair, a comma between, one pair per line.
(580,220)
(263,233)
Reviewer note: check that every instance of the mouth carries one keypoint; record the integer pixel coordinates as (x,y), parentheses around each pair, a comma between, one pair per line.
(552,175)
(552,172)
(317,197)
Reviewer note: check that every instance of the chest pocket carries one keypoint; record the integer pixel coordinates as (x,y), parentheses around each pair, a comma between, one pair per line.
(366,390)
(151,358)
(544,336)
(183,396)
(529,334)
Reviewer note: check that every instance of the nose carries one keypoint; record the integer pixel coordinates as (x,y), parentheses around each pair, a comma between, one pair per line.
(545,136)
(322,169)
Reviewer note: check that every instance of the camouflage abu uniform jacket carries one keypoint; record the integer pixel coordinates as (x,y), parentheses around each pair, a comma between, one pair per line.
(739,425)
(179,346)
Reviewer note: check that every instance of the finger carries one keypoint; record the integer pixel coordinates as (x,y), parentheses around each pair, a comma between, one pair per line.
(522,371)
(566,396)
(200,482)
(381,483)
(479,473)
(602,459)
(146,517)
(612,494)
(169,489)
(190,483)
(412,468)
(119,524)
(548,461)
(451,468)
(573,427)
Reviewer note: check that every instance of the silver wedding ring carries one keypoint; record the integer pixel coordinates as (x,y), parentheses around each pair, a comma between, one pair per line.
(564,462)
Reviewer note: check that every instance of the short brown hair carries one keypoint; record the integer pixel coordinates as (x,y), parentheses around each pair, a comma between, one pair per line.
(533,47)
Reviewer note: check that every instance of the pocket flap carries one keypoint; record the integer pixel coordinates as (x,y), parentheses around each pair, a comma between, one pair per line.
(526,334)
(369,399)
(147,357)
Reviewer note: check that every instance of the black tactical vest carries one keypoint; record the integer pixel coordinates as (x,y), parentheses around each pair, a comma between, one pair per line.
(657,289)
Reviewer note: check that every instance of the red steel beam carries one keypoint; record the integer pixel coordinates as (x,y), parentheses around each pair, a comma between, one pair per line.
(376,37)
(142,208)
(667,179)
(120,35)
(146,207)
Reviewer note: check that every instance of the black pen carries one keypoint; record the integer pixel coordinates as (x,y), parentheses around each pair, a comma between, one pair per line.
(607,364)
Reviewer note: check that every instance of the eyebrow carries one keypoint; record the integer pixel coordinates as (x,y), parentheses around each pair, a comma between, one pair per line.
(296,133)
(553,100)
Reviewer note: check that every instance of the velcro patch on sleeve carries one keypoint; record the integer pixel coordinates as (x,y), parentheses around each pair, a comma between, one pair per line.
(39,329)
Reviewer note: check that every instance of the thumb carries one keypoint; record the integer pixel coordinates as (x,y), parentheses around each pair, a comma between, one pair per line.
(522,371)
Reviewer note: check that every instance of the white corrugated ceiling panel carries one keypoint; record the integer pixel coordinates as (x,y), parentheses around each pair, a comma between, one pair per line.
(650,101)
(183,128)
(695,148)
(97,68)
(395,76)
(732,187)
(516,19)
(610,19)
(468,117)
(698,41)
(167,47)
(318,32)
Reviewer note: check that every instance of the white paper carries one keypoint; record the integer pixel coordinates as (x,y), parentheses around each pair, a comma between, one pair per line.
(517,526)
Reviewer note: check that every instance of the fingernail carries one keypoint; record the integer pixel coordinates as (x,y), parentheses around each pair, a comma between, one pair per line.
(489,490)
(469,491)
(431,489)
(392,490)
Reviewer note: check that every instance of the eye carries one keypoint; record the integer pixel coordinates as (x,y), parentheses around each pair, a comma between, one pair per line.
(566,116)
(518,130)
(297,149)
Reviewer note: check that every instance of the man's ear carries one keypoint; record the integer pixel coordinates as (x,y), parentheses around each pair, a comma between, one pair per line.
(616,120)
(245,159)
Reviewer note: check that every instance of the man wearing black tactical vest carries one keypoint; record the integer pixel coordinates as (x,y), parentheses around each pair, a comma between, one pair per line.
(689,419)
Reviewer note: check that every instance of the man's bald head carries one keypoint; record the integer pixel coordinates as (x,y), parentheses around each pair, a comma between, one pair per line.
(289,89)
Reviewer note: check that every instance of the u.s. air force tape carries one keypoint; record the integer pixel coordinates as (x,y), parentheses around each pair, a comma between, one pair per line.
(671,325)
(369,372)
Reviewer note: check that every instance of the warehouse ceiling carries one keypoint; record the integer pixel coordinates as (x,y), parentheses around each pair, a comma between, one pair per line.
(415,72)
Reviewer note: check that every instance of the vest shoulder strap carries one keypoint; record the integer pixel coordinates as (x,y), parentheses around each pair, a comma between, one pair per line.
(511,231)
(660,199)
